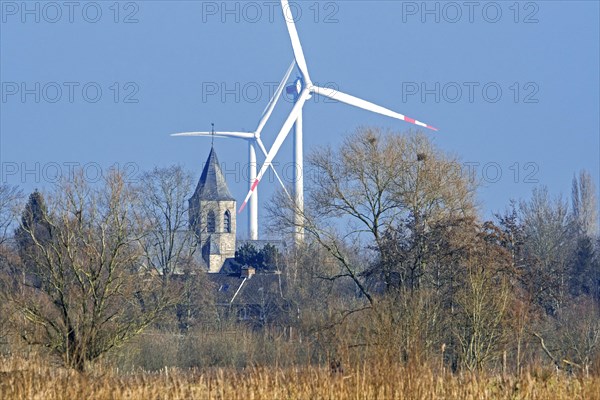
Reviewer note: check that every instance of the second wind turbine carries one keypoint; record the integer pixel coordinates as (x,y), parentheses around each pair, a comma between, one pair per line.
(305,89)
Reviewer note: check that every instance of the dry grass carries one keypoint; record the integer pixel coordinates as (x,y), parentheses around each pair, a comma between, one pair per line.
(20,379)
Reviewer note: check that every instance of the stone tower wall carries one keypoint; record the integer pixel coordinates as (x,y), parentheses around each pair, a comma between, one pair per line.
(225,240)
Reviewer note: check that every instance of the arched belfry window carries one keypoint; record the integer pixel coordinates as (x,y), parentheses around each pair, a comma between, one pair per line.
(227,221)
(210,222)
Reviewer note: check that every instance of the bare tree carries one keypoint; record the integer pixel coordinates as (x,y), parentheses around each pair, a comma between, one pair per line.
(168,243)
(88,291)
(585,204)
(548,243)
(572,339)
(9,199)
(584,262)
(379,185)
(579,334)
(483,299)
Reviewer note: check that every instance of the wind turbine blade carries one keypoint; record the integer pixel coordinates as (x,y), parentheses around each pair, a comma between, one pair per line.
(273,102)
(264,150)
(298,53)
(285,130)
(367,105)
(239,135)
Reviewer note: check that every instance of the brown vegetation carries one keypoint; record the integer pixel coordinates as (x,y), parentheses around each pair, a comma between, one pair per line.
(399,291)
(38,380)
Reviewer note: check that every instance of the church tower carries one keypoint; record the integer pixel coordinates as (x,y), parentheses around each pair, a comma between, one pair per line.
(212,215)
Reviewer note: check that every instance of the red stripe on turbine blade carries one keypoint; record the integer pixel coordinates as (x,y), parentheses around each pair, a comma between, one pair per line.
(432,128)
(251,190)
(408,119)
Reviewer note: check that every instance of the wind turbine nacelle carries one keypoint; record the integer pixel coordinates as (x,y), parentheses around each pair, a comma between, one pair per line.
(295,89)
(291,90)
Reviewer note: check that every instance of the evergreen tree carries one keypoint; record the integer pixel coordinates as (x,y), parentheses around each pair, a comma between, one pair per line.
(584,269)
(247,254)
(33,219)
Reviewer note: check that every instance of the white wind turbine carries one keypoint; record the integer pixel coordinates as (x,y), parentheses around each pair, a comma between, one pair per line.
(253,138)
(305,89)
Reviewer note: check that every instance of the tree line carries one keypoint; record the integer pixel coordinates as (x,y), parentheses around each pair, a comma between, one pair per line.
(397,265)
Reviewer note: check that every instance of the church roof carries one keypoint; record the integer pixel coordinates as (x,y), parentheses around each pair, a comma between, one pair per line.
(212,184)
(237,290)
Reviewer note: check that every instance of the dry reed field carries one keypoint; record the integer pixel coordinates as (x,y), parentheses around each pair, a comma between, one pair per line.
(20,379)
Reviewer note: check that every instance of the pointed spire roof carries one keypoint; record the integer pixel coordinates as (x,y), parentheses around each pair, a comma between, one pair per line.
(212,184)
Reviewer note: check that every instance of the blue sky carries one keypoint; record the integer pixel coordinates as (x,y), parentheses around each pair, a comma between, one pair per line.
(513,87)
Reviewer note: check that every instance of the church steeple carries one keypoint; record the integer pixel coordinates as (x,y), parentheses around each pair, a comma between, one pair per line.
(212,184)
(212,215)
